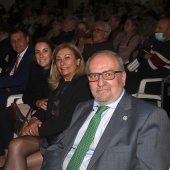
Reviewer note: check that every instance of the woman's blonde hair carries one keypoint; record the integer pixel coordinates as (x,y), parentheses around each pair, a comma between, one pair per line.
(55,76)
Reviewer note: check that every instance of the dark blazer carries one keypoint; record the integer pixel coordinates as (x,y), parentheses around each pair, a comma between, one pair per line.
(17,82)
(136,137)
(37,87)
(76,92)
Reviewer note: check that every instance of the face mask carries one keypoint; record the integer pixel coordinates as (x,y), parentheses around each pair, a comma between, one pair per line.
(159,36)
(80,33)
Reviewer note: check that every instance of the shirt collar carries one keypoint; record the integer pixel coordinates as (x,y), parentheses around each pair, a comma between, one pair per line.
(22,54)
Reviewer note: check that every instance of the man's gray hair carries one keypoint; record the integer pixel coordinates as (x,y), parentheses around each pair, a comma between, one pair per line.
(105,25)
(110,53)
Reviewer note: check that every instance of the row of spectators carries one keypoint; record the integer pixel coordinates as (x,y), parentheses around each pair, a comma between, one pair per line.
(27,37)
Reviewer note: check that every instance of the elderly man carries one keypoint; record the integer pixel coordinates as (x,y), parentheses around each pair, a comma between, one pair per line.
(101,32)
(15,78)
(153,60)
(113,131)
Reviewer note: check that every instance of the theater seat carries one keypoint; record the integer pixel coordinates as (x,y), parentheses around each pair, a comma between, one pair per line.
(141,91)
(11,98)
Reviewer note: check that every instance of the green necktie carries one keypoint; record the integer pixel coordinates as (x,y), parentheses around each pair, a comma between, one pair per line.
(86,140)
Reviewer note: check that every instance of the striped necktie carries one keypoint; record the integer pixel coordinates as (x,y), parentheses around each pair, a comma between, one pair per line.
(17,62)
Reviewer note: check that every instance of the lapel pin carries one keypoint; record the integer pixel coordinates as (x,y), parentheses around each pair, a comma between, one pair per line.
(125,117)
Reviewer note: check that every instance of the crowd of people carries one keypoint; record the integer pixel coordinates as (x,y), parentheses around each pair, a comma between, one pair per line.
(43,53)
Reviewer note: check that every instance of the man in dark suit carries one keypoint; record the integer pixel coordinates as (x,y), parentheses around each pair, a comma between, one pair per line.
(131,134)
(15,78)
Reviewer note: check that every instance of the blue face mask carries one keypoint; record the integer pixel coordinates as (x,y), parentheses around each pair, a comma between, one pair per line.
(159,36)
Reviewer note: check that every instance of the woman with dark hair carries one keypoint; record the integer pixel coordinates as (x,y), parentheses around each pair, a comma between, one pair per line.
(37,89)
(69,87)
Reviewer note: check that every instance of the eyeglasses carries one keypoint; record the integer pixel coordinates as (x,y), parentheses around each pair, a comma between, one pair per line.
(98,30)
(107,75)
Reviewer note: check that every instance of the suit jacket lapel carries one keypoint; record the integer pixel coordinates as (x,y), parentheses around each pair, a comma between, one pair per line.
(24,56)
(14,61)
(74,128)
(115,124)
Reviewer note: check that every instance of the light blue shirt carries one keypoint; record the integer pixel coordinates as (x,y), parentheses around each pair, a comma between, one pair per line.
(105,118)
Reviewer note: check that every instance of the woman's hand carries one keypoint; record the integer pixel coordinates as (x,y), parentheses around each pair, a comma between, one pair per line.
(42,103)
(32,128)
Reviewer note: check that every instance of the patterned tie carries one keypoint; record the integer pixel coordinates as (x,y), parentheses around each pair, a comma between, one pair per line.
(17,62)
(86,140)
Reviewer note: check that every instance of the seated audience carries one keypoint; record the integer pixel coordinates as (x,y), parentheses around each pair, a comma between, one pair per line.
(123,13)
(115,23)
(43,26)
(70,87)
(29,23)
(148,24)
(35,94)
(90,19)
(113,131)
(15,14)
(128,40)
(56,29)
(68,31)
(29,19)
(136,12)
(16,76)
(101,32)
(82,36)
(154,59)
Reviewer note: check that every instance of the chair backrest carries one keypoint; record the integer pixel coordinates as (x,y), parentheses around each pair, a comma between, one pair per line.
(141,91)
(11,98)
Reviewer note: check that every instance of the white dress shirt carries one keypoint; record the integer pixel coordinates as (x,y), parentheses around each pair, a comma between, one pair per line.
(105,118)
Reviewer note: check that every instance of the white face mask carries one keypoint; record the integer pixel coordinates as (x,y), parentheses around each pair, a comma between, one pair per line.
(159,36)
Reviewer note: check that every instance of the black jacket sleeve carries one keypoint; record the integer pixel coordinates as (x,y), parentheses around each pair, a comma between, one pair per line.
(37,87)
(77,92)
